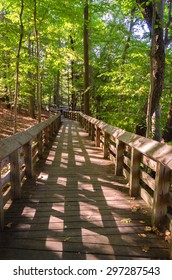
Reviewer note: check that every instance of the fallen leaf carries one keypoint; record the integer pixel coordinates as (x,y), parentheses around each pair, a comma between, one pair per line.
(148,228)
(142,222)
(167,236)
(145,248)
(158,233)
(135,208)
(131,198)
(127,220)
(167,232)
(9,225)
(66,239)
(142,235)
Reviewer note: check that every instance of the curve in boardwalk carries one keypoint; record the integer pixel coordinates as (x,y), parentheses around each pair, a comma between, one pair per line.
(77,209)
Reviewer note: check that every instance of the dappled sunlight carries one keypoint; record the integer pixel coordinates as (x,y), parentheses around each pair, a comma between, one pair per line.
(62,181)
(51,157)
(54,245)
(43,176)
(58,206)
(76,208)
(56,223)
(27,210)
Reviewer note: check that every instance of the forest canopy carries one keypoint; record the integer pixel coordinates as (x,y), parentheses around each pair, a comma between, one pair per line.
(110,59)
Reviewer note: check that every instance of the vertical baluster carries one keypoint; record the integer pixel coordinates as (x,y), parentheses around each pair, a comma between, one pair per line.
(28,159)
(1,204)
(135,172)
(162,183)
(15,173)
(97,140)
(106,145)
(120,146)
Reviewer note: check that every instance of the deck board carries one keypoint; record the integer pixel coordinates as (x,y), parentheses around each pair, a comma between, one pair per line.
(75,208)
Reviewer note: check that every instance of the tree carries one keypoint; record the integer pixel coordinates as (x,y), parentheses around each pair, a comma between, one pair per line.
(153,14)
(86,61)
(16,92)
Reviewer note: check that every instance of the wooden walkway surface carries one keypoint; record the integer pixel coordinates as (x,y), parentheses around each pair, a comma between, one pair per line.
(77,209)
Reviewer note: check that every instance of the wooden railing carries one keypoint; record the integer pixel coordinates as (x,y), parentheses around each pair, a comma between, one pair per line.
(147,164)
(18,156)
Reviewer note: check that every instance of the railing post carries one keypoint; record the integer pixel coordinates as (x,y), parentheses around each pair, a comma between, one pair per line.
(1,204)
(135,172)
(120,146)
(106,145)
(40,146)
(46,136)
(28,159)
(92,132)
(15,173)
(170,250)
(162,183)
(97,140)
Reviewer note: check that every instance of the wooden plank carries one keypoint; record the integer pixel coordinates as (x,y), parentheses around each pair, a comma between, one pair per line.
(146,197)
(76,208)
(147,179)
(1,205)
(149,162)
(119,158)
(162,180)
(28,159)
(135,172)
(15,174)
(106,146)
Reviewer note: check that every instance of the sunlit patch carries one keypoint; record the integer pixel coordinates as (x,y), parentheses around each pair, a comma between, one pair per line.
(90,208)
(85,186)
(43,176)
(29,210)
(50,157)
(94,220)
(56,223)
(79,158)
(62,181)
(93,241)
(59,207)
(86,177)
(60,197)
(55,246)
(63,165)
(93,237)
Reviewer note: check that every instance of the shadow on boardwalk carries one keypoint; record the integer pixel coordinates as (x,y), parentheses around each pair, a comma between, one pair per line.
(77,209)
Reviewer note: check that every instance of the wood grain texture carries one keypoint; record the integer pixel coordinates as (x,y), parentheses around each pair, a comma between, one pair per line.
(76,208)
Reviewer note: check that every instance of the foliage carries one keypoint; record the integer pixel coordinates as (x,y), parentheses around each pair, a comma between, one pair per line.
(119,56)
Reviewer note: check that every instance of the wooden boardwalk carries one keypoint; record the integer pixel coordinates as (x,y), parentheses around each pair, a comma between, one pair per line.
(76,209)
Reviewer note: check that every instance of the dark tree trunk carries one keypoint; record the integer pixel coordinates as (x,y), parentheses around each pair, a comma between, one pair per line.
(57,89)
(73,99)
(167,135)
(38,82)
(154,22)
(86,62)
(16,93)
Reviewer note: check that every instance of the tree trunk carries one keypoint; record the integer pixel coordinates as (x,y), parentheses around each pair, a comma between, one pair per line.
(153,16)
(167,135)
(16,92)
(86,62)
(38,79)
(73,99)
(57,89)
(31,85)
(127,44)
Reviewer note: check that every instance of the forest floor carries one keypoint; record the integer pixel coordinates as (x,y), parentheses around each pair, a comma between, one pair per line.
(7,118)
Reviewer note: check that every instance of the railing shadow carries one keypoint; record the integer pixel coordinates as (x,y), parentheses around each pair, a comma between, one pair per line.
(74,208)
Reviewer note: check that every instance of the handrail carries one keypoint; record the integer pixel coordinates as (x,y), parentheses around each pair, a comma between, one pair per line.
(146,163)
(18,155)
